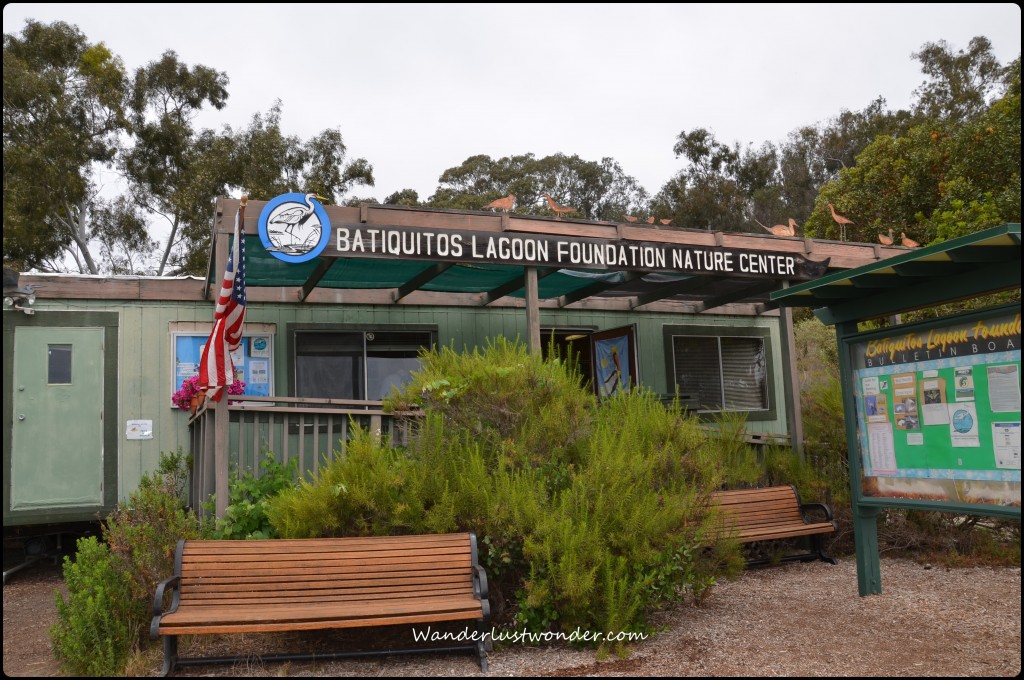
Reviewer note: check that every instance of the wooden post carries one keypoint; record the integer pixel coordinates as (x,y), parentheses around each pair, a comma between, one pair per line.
(220,439)
(791,380)
(532,310)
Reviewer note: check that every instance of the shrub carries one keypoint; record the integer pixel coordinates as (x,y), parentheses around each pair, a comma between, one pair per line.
(97,625)
(588,515)
(111,584)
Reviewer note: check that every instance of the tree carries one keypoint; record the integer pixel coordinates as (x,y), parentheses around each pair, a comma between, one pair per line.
(721,187)
(598,190)
(269,163)
(164,166)
(64,108)
(940,180)
(959,85)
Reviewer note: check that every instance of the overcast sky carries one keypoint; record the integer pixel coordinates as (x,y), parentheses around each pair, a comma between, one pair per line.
(417,89)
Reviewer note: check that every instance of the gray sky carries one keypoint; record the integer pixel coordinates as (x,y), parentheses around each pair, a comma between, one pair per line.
(417,89)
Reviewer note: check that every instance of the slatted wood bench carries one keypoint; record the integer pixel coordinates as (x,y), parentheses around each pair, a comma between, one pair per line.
(772,513)
(262,586)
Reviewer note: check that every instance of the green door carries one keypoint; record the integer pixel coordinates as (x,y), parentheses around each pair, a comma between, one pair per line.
(57,429)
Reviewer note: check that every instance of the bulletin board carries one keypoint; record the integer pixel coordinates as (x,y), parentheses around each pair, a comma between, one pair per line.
(253,360)
(938,408)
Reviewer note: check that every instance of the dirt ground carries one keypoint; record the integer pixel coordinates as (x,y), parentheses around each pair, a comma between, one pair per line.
(791,620)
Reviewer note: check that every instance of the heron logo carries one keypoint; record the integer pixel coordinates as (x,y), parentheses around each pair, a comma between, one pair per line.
(294,227)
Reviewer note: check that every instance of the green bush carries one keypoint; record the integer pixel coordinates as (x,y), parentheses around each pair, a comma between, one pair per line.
(97,625)
(588,515)
(111,584)
(245,516)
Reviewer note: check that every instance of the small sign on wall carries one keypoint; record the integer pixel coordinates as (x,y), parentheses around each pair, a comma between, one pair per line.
(139,429)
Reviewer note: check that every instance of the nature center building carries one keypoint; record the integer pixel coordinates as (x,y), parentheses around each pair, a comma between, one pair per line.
(341,300)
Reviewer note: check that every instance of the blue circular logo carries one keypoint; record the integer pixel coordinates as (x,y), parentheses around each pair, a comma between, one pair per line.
(962,421)
(294,227)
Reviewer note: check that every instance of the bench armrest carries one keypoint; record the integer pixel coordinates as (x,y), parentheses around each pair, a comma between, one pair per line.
(804,507)
(158,602)
(480,582)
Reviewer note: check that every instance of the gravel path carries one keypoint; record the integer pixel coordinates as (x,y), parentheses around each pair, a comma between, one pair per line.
(793,620)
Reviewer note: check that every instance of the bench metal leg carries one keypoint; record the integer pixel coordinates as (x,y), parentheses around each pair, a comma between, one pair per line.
(819,548)
(170,654)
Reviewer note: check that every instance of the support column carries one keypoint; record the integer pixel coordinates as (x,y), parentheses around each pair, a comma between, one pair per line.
(532,310)
(791,379)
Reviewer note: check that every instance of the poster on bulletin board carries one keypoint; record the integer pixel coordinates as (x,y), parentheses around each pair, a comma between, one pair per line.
(939,409)
(253,360)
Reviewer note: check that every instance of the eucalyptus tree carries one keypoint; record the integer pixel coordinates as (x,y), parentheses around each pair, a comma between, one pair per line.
(64,110)
(598,190)
(267,162)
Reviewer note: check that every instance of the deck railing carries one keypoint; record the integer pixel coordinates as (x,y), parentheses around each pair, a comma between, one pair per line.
(232,438)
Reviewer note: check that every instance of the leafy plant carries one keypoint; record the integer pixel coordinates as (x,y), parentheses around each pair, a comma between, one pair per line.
(248,497)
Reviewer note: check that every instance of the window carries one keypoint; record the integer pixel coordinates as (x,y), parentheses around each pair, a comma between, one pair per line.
(720,372)
(348,363)
(58,368)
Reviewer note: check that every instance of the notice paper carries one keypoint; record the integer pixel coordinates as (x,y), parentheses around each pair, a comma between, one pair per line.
(963,424)
(933,402)
(1006,444)
(881,449)
(1004,388)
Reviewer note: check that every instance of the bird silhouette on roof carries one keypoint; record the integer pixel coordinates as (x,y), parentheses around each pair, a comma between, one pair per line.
(841,221)
(558,209)
(665,222)
(908,242)
(503,203)
(886,240)
(781,229)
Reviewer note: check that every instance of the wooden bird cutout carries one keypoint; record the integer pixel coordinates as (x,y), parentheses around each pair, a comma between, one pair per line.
(666,222)
(781,229)
(558,209)
(886,240)
(841,221)
(503,203)
(629,218)
(908,242)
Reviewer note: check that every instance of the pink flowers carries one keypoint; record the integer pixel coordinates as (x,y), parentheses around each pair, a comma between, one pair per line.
(190,388)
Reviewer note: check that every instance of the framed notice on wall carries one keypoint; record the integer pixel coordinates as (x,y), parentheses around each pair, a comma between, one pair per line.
(938,408)
(253,360)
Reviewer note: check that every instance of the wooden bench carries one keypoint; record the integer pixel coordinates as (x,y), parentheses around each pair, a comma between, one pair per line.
(772,513)
(222,587)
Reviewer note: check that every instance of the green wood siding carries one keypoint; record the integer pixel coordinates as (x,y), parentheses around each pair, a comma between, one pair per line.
(145,353)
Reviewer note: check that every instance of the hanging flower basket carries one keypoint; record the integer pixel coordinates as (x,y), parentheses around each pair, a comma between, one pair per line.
(188,394)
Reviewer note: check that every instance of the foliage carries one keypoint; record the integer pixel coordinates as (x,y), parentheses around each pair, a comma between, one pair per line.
(946,176)
(598,190)
(111,585)
(64,107)
(588,514)
(98,624)
(245,516)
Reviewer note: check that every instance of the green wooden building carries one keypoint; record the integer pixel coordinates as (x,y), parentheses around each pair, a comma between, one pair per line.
(91,362)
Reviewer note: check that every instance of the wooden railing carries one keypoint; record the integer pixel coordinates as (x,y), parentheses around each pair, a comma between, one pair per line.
(232,438)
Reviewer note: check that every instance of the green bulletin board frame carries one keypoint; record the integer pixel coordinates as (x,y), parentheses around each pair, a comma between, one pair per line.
(935,479)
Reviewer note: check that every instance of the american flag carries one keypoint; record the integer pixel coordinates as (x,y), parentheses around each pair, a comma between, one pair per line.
(215,368)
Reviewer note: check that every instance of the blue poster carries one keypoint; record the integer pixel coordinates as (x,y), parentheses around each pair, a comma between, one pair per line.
(613,362)
(252,361)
